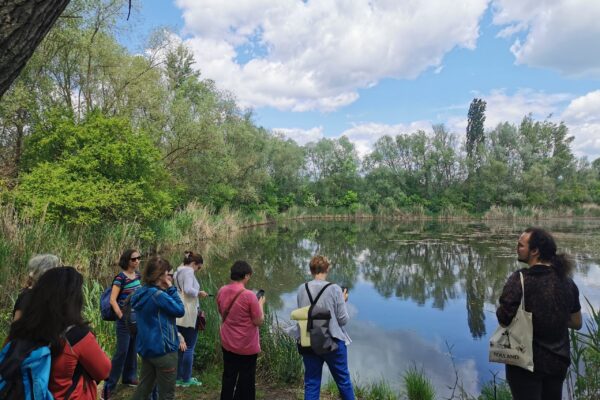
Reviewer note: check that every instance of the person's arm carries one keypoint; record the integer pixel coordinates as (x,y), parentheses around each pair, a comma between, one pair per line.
(18,314)
(257,309)
(575,320)
(170,302)
(92,358)
(185,281)
(510,300)
(114,294)
(341,312)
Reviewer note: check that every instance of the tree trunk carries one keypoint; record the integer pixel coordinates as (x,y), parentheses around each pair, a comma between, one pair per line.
(23,25)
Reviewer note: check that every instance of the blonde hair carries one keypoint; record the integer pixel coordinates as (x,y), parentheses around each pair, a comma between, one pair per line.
(319,264)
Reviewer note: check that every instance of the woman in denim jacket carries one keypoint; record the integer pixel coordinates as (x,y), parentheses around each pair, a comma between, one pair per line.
(157,304)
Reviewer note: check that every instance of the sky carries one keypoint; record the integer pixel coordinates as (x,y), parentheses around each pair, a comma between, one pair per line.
(366,68)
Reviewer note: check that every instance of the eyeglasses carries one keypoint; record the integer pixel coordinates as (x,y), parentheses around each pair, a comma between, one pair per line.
(136,258)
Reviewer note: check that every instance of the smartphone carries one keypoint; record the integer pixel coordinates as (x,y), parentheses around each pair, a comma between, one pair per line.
(260,293)
(344,289)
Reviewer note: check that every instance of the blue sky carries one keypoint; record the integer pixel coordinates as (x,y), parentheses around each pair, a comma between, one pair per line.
(360,68)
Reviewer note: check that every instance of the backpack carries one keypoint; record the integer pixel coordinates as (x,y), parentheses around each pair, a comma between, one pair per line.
(106,310)
(25,371)
(317,327)
(129,316)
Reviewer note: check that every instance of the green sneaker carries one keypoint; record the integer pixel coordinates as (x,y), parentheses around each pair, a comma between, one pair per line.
(180,383)
(194,382)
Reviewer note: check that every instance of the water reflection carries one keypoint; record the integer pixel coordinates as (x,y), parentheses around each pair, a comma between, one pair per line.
(413,286)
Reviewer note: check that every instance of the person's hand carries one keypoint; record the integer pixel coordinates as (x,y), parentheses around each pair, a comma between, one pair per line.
(169,281)
(182,345)
(119,314)
(202,294)
(345,294)
(262,300)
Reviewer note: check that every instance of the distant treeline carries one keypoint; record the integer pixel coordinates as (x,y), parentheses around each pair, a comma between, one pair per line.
(91,132)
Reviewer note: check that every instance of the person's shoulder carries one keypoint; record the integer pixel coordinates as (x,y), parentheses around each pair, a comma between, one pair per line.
(76,333)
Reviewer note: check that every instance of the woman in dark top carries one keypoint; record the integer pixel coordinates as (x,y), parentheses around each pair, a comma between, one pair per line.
(553,298)
(124,361)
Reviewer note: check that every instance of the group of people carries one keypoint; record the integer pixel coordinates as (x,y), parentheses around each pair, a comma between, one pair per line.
(166,304)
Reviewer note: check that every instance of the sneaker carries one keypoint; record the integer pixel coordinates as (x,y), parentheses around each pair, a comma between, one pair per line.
(194,382)
(132,383)
(180,383)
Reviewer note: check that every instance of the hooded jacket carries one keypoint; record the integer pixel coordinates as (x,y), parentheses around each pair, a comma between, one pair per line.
(156,310)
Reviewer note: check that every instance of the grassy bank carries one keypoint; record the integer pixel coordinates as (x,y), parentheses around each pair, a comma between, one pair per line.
(450,212)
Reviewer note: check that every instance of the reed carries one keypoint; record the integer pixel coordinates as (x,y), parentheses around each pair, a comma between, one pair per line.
(417,385)
(583,380)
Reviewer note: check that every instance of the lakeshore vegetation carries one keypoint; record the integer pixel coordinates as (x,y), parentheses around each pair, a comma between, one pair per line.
(102,149)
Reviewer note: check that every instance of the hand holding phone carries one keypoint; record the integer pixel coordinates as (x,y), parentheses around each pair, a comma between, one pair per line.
(260,293)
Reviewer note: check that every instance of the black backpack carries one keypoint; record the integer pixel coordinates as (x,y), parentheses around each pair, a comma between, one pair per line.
(321,341)
(129,316)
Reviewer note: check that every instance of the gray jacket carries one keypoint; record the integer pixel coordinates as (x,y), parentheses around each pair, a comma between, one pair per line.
(333,299)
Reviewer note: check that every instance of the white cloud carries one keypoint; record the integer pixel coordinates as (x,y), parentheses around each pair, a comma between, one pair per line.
(301,136)
(317,54)
(557,34)
(582,116)
(365,135)
(503,107)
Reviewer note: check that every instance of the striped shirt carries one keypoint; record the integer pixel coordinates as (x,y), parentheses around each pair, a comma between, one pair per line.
(126,285)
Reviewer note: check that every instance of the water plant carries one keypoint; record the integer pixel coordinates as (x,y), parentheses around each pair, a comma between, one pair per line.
(417,385)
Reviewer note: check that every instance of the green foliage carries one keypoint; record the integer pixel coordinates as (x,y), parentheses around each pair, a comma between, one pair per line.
(584,377)
(89,172)
(475,129)
(494,391)
(417,385)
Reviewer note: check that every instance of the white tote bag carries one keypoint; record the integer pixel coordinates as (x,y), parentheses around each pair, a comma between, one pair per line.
(514,344)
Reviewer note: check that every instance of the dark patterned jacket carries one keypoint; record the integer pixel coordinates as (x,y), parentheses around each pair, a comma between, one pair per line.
(552,299)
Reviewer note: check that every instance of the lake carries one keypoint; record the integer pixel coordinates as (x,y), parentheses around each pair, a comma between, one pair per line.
(422,293)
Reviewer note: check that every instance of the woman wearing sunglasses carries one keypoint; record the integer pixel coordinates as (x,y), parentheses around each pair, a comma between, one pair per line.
(124,361)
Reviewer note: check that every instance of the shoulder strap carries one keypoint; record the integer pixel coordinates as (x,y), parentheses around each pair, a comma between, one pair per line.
(522,291)
(226,313)
(313,302)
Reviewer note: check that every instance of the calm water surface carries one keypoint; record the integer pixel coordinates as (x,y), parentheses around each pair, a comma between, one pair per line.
(417,289)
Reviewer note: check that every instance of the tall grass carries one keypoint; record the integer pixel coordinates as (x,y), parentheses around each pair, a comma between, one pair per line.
(584,378)
(417,385)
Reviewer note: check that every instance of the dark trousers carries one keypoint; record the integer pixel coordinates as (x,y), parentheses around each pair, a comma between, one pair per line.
(239,373)
(525,385)
(124,361)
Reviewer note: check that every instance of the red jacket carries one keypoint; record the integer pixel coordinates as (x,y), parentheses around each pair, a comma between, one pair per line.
(80,347)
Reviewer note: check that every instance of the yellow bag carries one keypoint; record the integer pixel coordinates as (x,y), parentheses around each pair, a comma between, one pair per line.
(301,315)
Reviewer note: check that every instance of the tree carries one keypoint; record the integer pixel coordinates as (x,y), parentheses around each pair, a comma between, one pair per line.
(91,172)
(475,128)
(23,25)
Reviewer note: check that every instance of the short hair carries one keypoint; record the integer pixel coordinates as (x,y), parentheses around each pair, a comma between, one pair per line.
(319,264)
(239,270)
(155,268)
(191,257)
(126,257)
(41,263)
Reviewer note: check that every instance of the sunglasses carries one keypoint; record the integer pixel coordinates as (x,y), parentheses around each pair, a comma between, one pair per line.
(136,258)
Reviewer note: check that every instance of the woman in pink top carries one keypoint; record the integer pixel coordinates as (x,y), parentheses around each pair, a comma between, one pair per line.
(242,314)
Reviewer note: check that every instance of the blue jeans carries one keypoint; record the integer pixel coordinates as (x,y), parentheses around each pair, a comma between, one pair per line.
(337,361)
(124,361)
(185,359)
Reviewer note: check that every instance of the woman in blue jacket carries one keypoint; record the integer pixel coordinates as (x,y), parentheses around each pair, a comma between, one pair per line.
(157,304)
